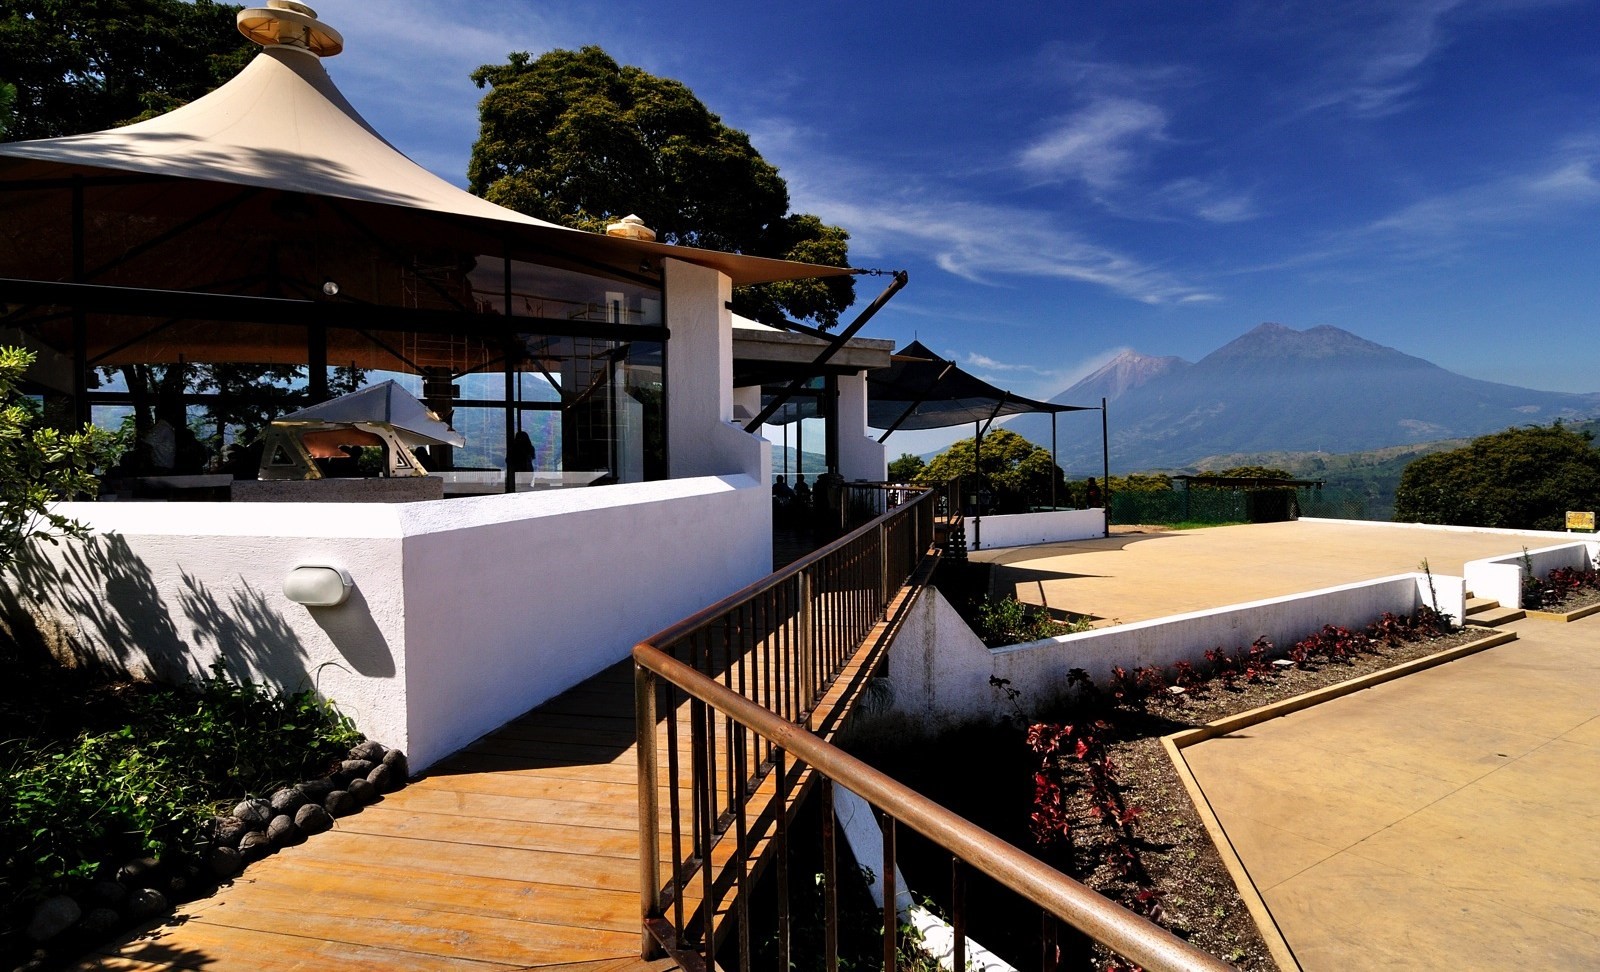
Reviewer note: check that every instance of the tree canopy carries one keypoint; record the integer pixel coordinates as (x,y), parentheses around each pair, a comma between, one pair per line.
(1526,477)
(38,465)
(906,469)
(1014,470)
(87,65)
(574,138)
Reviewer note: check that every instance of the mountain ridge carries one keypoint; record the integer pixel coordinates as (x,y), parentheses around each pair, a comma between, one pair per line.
(1277,389)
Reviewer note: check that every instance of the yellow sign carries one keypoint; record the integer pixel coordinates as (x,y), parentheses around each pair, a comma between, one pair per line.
(1580,521)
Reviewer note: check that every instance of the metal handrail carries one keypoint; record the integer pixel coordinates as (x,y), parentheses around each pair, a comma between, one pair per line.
(1129,935)
(865,564)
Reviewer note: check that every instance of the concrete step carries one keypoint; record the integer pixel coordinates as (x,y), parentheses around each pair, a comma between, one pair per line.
(1477,605)
(1494,617)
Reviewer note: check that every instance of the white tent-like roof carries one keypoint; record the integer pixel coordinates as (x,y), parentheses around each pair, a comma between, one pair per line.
(282,123)
(385,403)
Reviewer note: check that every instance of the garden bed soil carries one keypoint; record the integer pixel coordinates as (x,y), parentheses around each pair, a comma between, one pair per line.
(1576,601)
(985,774)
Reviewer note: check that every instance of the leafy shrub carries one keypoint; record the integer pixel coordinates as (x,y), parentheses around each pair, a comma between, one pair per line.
(71,811)
(1008,621)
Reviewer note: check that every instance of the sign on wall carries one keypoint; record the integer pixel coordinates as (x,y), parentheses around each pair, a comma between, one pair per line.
(1580,521)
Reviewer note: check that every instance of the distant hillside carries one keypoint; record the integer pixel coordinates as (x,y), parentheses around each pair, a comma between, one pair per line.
(1278,390)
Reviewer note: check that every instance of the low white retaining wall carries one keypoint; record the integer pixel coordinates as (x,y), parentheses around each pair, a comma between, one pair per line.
(1026,529)
(939,671)
(1500,578)
(464,613)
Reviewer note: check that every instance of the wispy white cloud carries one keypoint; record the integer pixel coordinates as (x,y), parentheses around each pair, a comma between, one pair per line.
(1571,179)
(1099,144)
(983,242)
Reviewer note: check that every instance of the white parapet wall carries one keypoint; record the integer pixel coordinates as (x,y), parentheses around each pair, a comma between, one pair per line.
(940,673)
(1026,529)
(1500,578)
(463,614)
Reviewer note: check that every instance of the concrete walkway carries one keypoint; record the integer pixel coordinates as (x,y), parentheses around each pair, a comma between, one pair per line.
(1136,576)
(1446,820)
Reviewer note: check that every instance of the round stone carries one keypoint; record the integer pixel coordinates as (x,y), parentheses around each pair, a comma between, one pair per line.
(370,750)
(316,790)
(225,862)
(109,893)
(384,779)
(287,800)
(396,760)
(340,803)
(363,791)
(52,917)
(255,844)
(283,833)
(356,767)
(139,872)
(313,819)
(98,923)
(228,831)
(254,813)
(146,903)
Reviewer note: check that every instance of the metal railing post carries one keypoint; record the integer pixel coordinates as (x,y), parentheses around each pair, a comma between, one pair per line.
(884,590)
(806,645)
(644,715)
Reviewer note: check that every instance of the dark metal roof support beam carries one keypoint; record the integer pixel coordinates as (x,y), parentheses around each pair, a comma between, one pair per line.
(833,348)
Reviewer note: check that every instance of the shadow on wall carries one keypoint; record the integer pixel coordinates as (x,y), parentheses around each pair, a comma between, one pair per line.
(97,604)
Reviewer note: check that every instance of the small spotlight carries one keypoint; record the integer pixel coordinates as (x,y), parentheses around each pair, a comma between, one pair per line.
(330,288)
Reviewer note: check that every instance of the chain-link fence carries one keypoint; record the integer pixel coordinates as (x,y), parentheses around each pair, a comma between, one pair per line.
(1337,504)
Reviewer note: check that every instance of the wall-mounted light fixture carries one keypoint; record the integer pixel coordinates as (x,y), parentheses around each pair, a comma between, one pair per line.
(317,585)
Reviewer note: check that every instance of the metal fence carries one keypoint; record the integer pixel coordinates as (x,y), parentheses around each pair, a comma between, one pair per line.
(748,674)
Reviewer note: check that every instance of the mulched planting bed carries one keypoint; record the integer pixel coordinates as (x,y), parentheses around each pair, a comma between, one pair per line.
(1160,860)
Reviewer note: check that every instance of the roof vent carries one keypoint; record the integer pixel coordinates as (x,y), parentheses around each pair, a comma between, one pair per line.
(631,227)
(284,23)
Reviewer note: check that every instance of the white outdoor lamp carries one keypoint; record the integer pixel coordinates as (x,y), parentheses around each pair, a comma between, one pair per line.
(317,585)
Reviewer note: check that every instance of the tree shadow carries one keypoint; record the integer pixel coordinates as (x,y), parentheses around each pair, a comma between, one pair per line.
(96,604)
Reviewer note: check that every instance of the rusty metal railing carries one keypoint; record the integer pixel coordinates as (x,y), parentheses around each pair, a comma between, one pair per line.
(748,673)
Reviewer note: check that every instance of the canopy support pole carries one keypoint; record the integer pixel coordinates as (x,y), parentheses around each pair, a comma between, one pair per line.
(513,380)
(80,320)
(1054,467)
(839,341)
(977,464)
(1105,466)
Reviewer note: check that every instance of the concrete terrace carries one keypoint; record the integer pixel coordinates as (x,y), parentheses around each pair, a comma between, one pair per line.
(1444,820)
(1134,576)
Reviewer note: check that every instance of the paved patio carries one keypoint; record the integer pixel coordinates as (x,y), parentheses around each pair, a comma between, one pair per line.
(1135,576)
(1446,820)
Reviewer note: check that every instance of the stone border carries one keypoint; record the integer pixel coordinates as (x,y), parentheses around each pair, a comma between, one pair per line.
(1175,743)
(1564,618)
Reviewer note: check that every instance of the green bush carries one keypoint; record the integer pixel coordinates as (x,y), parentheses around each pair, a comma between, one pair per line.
(71,811)
(1008,621)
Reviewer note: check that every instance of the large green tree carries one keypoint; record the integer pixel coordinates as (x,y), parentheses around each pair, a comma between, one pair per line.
(1526,477)
(86,65)
(575,138)
(1015,471)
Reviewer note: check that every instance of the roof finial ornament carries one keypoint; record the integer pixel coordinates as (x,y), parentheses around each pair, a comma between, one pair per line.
(284,23)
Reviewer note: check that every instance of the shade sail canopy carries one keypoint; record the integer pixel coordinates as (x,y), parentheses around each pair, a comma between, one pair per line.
(385,403)
(282,124)
(920,390)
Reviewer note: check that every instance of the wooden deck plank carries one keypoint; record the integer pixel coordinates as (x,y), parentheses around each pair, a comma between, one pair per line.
(519,852)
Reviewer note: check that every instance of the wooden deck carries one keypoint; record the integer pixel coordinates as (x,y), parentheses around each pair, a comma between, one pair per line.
(520,852)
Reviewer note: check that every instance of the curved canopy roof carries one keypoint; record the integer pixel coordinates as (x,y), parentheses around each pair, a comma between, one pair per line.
(282,123)
(920,390)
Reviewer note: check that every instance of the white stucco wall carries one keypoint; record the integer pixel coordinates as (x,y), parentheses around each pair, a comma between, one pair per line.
(939,671)
(1023,529)
(861,456)
(464,613)
(1500,578)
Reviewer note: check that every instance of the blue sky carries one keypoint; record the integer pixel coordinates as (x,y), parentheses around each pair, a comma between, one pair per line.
(1065,180)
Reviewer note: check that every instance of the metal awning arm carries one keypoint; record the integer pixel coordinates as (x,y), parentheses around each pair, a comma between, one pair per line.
(833,348)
